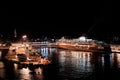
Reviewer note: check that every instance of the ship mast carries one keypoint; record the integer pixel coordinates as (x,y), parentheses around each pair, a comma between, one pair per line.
(90,29)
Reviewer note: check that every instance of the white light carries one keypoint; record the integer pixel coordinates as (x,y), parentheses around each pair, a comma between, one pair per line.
(82,38)
(24,36)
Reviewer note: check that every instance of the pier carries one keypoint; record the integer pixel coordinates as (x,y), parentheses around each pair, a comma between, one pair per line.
(39,44)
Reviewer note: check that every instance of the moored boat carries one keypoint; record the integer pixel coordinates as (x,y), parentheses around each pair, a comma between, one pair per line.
(83,44)
(26,55)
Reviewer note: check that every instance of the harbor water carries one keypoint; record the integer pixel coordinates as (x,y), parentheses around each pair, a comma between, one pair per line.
(65,65)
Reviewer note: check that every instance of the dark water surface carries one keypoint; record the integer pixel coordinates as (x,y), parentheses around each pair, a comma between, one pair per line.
(66,65)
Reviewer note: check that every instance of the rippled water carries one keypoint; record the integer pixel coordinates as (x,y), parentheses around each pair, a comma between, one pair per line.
(66,65)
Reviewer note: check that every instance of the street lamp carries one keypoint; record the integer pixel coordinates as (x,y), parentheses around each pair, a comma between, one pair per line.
(24,37)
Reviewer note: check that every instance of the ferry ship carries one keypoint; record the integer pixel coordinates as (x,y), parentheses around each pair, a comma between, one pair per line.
(83,44)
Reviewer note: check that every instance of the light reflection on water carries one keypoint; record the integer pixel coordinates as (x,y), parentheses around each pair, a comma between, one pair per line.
(0,54)
(79,61)
(78,64)
(2,70)
(24,73)
(116,59)
(67,65)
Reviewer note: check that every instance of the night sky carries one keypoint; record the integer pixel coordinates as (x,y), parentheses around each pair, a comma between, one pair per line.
(92,19)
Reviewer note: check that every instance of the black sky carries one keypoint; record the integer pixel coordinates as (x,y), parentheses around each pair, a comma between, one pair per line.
(72,20)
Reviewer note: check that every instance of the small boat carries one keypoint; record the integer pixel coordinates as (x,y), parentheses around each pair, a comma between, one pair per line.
(83,44)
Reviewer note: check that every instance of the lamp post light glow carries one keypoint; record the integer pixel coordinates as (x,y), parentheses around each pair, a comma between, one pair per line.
(24,37)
